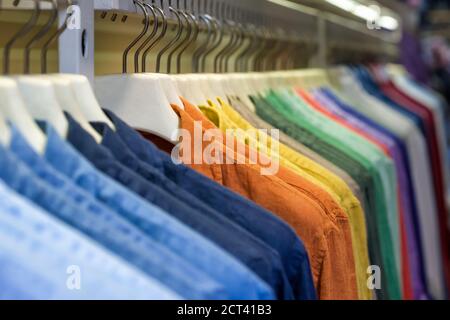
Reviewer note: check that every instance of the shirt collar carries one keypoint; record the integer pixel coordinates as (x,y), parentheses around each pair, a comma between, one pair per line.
(58,148)
(114,143)
(140,146)
(21,148)
(84,142)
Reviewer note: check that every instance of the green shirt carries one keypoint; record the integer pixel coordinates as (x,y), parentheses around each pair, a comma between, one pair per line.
(352,142)
(277,112)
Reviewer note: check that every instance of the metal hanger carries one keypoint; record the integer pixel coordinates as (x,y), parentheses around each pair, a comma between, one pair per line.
(241,60)
(203,48)
(259,47)
(271,59)
(40,34)
(266,44)
(138,38)
(12,104)
(218,34)
(295,59)
(204,45)
(52,39)
(244,36)
(183,40)
(246,55)
(228,24)
(171,42)
(158,38)
(196,29)
(22,32)
(291,49)
(152,10)
(234,47)
(271,41)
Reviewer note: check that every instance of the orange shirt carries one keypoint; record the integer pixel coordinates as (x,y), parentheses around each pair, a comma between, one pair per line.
(317,219)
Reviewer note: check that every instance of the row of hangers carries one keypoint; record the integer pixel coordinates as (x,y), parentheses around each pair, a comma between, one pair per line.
(141,98)
(253,47)
(26,97)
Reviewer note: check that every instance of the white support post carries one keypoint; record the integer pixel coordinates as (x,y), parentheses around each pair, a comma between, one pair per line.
(76,46)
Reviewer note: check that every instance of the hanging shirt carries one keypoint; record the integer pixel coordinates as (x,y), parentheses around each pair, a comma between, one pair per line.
(429,125)
(256,122)
(224,116)
(247,214)
(434,103)
(396,148)
(353,167)
(383,145)
(110,230)
(290,106)
(240,248)
(353,144)
(302,211)
(112,194)
(374,106)
(39,255)
(158,226)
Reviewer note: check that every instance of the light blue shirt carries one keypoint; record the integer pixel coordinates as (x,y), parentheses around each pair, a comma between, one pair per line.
(112,231)
(41,258)
(239,281)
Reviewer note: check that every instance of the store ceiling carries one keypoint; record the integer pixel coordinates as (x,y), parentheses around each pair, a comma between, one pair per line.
(395,6)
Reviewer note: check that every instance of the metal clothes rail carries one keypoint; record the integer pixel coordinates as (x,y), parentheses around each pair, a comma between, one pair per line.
(326,30)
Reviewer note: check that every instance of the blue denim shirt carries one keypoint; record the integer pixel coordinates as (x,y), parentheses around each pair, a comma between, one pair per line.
(269,266)
(110,230)
(240,282)
(256,220)
(39,255)
(210,223)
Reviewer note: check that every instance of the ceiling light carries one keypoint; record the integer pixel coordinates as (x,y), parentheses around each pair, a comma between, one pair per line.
(347,5)
(388,22)
(371,13)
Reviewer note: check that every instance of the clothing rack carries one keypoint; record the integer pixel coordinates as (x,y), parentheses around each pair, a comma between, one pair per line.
(323,31)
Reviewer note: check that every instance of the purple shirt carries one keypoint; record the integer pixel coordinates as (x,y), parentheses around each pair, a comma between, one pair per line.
(333,106)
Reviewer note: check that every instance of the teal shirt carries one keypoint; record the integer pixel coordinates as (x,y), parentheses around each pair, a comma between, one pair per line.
(352,142)
(277,111)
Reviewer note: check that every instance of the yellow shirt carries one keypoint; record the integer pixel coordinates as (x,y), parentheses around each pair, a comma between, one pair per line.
(226,118)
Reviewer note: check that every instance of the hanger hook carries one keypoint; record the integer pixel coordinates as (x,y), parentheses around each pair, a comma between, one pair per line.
(259,32)
(52,38)
(152,10)
(158,39)
(201,48)
(182,42)
(40,34)
(271,58)
(265,45)
(172,42)
(218,63)
(242,52)
(138,38)
(22,32)
(238,43)
(242,58)
(215,43)
(196,29)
